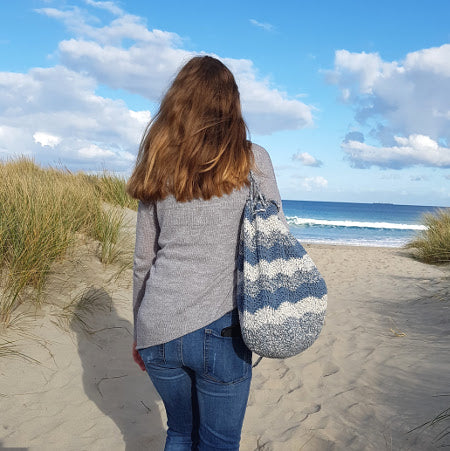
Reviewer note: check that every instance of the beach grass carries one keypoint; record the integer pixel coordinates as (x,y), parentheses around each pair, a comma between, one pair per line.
(432,245)
(112,189)
(42,212)
(8,349)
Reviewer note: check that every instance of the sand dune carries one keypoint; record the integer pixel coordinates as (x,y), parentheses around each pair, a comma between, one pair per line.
(379,369)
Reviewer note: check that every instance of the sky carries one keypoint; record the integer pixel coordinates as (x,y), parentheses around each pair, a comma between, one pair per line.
(351,99)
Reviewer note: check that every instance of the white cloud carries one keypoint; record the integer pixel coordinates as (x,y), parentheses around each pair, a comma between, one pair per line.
(364,69)
(141,116)
(144,69)
(54,113)
(267,109)
(264,25)
(435,59)
(311,183)
(147,65)
(45,139)
(416,150)
(93,151)
(108,6)
(126,26)
(13,142)
(409,97)
(74,19)
(306,159)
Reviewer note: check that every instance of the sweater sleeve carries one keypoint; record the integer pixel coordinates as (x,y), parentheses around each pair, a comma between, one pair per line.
(146,247)
(265,176)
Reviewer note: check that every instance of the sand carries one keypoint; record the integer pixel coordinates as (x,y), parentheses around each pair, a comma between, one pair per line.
(379,369)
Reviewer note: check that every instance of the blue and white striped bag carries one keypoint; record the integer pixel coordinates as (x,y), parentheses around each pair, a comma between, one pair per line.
(282,297)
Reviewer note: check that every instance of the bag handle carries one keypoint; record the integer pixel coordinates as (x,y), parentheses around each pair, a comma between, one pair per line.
(256,195)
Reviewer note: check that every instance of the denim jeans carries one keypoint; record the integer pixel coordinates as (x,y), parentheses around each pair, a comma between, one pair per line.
(203,379)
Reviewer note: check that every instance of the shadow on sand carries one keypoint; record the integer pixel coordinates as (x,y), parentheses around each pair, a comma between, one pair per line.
(111,379)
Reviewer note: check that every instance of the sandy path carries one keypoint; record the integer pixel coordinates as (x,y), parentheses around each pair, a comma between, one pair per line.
(360,387)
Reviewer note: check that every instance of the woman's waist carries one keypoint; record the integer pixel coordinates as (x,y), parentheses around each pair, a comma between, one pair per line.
(193,280)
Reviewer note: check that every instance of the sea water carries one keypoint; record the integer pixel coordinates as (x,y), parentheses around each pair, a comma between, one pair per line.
(386,225)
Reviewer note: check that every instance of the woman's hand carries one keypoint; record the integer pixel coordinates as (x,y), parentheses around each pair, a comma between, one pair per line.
(137,358)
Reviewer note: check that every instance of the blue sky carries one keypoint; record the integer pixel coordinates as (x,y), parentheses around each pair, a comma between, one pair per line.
(351,99)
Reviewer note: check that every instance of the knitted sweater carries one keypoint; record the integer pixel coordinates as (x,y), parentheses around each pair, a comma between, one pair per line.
(184,269)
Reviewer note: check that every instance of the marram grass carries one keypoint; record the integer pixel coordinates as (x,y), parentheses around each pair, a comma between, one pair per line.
(432,245)
(41,212)
(112,190)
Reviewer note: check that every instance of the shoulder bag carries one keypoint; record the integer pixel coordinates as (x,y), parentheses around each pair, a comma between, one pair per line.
(281,295)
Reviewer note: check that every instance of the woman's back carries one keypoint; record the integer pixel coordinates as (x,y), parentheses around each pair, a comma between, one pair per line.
(193,276)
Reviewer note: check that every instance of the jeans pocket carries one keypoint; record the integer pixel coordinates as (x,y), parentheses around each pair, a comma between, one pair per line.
(227,360)
(153,355)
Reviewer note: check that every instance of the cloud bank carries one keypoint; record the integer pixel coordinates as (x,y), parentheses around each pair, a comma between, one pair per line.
(54,113)
(405,104)
(412,151)
(147,65)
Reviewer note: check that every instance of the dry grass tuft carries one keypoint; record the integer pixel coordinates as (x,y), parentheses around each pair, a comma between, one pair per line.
(112,190)
(41,213)
(432,245)
(8,349)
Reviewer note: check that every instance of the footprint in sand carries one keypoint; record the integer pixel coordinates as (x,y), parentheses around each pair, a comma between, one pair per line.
(296,387)
(308,411)
(330,369)
(312,409)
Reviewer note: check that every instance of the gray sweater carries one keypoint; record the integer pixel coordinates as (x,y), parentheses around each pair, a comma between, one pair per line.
(184,272)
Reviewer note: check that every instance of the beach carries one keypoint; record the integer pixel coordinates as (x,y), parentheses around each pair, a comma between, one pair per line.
(378,370)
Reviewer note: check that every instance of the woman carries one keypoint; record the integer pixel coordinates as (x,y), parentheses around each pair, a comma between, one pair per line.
(191,179)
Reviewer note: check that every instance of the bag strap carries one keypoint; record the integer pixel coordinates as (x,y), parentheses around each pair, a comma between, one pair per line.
(254,187)
(254,196)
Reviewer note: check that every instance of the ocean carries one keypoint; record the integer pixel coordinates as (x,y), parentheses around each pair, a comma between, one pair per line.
(358,224)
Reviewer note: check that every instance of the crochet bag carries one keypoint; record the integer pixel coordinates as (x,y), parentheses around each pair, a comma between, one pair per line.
(282,297)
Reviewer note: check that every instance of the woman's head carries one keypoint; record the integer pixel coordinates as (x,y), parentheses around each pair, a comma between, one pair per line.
(196,145)
(204,93)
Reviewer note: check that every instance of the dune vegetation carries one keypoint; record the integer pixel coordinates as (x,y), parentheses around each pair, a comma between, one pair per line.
(432,245)
(43,212)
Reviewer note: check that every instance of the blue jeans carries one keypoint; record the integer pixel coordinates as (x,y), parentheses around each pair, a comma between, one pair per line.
(203,379)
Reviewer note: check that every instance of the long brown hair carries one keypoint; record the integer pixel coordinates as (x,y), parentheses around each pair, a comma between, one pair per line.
(196,145)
